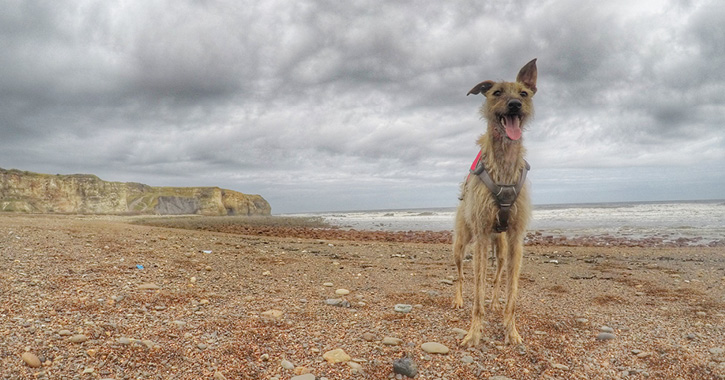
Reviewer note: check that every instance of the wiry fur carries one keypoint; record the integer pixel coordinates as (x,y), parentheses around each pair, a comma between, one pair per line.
(476,215)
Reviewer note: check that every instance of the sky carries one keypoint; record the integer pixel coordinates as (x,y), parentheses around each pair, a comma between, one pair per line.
(361,104)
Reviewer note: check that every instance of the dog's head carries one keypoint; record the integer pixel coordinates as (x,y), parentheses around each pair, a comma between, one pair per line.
(508,105)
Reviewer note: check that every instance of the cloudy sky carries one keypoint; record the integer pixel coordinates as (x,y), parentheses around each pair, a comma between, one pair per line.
(346,105)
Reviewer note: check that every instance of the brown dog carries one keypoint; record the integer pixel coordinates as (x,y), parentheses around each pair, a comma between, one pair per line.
(495,205)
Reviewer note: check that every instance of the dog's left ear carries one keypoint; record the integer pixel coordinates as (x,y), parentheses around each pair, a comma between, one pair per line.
(481,88)
(527,75)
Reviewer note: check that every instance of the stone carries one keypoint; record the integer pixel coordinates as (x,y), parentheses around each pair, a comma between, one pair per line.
(328,284)
(78,338)
(65,333)
(606,329)
(467,359)
(342,292)
(459,332)
(434,348)
(355,366)
(339,302)
(605,336)
(403,308)
(336,356)
(368,337)
(307,376)
(273,314)
(31,359)
(406,367)
(286,364)
(124,340)
(148,286)
(390,341)
(219,376)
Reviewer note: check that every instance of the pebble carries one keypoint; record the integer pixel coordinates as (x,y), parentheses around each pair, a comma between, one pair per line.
(31,359)
(368,337)
(446,281)
(405,367)
(605,336)
(582,321)
(339,302)
(434,348)
(328,284)
(403,308)
(219,376)
(336,356)
(286,364)
(65,333)
(148,286)
(606,329)
(459,332)
(499,378)
(354,366)
(342,292)
(307,376)
(78,338)
(390,341)
(273,314)
(124,340)
(467,359)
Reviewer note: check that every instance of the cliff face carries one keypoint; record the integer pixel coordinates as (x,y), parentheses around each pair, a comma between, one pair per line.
(87,194)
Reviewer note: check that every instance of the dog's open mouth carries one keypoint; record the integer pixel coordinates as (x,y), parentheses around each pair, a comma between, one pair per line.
(512,126)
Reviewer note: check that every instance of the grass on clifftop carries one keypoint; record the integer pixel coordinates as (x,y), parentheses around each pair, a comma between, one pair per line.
(216,223)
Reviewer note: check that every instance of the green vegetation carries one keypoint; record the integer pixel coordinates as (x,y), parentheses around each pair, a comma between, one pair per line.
(212,223)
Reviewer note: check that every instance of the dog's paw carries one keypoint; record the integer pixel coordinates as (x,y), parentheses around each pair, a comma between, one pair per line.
(473,338)
(457,303)
(513,338)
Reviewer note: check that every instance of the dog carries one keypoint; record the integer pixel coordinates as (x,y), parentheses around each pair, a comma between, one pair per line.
(483,217)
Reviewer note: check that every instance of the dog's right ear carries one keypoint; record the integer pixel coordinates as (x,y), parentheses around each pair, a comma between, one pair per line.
(481,88)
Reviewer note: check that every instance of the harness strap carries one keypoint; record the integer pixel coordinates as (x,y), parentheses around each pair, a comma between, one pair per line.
(505,195)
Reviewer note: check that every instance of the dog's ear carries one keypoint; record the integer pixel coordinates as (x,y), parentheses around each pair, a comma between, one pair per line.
(527,75)
(481,88)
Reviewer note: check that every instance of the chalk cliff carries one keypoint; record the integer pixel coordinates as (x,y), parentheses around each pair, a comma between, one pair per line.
(22,191)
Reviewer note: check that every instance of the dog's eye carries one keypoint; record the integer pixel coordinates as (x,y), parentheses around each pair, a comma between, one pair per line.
(524,94)
(497,93)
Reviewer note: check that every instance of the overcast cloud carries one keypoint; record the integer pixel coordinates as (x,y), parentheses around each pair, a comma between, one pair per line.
(343,105)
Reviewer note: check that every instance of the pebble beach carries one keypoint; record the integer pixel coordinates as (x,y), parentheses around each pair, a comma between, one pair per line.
(85,297)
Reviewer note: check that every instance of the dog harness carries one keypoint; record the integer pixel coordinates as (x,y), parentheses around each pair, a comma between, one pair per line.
(505,195)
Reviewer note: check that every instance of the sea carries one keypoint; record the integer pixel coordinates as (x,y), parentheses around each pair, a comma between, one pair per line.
(698,222)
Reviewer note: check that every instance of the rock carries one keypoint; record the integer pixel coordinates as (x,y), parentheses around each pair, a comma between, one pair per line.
(31,359)
(342,292)
(273,314)
(582,321)
(368,337)
(148,286)
(403,308)
(307,376)
(559,366)
(328,284)
(124,340)
(467,359)
(339,302)
(336,356)
(286,364)
(78,338)
(405,367)
(219,376)
(446,281)
(434,348)
(355,366)
(390,341)
(606,329)
(499,378)
(65,333)
(605,336)
(459,332)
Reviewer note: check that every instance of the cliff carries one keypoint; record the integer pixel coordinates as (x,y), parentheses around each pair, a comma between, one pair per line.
(87,194)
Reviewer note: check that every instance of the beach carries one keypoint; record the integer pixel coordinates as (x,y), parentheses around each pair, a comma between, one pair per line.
(104,297)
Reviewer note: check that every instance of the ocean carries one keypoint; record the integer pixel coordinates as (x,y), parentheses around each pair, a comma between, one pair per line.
(698,222)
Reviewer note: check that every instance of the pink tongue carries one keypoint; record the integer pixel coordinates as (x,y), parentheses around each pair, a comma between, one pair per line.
(513,127)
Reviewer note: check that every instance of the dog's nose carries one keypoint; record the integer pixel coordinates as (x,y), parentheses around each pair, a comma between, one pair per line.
(514,105)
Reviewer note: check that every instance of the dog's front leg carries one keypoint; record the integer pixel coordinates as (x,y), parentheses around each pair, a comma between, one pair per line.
(500,249)
(480,259)
(513,267)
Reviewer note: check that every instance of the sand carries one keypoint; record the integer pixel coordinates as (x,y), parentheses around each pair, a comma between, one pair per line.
(100,298)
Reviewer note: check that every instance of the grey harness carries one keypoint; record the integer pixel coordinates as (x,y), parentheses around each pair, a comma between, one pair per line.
(505,195)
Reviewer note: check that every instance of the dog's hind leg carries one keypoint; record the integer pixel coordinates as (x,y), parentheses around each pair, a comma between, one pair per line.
(500,249)
(513,267)
(480,260)
(463,236)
